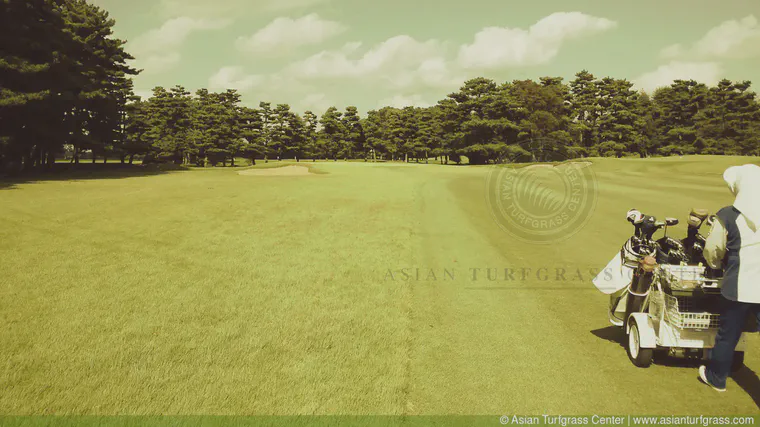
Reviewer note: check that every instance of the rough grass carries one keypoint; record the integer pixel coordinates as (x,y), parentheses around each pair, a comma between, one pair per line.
(212,293)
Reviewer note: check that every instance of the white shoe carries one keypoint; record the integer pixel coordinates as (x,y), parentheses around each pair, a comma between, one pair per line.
(703,377)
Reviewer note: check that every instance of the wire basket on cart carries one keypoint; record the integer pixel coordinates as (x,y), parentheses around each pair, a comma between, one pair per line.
(684,298)
(679,313)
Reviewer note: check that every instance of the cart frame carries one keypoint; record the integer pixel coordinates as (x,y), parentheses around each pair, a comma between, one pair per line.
(668,323)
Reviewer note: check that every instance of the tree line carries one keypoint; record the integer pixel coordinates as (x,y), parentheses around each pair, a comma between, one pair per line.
(484,121)
(66,88)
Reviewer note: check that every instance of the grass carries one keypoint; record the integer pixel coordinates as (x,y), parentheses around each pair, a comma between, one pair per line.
(213,293)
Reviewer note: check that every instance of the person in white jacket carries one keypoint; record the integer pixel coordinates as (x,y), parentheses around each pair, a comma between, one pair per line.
(734,246)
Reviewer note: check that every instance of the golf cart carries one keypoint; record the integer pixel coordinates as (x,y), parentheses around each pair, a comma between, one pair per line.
(663,295)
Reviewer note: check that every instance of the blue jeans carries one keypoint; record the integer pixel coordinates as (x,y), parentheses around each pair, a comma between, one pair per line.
(732,320)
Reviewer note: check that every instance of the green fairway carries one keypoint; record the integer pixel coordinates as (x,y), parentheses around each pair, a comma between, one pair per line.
(210,292)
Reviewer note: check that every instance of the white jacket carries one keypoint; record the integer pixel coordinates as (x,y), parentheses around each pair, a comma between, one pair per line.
(734,241)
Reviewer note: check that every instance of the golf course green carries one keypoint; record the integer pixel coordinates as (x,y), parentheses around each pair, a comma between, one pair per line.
(362,288)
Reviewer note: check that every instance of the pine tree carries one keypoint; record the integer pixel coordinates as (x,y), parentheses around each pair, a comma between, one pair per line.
(332,133)
(352,141)
(585,111)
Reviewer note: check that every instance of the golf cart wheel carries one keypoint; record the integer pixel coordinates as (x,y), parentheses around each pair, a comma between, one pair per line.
(738,362)
(640,357)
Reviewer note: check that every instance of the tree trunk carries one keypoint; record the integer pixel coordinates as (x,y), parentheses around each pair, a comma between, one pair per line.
(94,157)
(131,158)
(76,155)
(50,159)
(34,159)
(232,162)
(26,159)
(406,158)
(105,159)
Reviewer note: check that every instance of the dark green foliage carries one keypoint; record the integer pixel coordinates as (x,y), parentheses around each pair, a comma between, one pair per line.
(63,81)
(484,121)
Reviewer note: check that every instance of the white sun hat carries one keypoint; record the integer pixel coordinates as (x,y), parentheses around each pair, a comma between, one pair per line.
(744,183)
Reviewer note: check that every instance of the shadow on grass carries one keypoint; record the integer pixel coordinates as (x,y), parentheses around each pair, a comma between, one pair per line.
(745,377)
(70,172)
(613,334)
(748,380)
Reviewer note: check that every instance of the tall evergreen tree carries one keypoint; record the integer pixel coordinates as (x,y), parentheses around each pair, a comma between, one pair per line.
(311,123)
(332,133)
(585,111)
(676,113)
(353,140)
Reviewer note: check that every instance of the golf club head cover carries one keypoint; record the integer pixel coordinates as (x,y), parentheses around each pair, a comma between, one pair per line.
(697,217)
(634,216)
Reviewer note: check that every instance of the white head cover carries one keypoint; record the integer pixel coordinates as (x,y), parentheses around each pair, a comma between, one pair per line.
(744,182)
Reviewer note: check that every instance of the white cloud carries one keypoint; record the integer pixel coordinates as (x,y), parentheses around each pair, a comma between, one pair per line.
(156,63)
(734,39)
(350,47)
(703,72)
(399,62)
(401,101)
(497,47)
(317,103)
(172,34)
(672,51)
(400,52)
(157,50)
(286,33)
(436,72)
(234,78)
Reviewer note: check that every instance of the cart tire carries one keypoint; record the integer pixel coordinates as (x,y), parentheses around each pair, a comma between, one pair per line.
(738,362)
(640,357)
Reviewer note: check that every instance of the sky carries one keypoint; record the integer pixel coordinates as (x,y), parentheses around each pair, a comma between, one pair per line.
(313,54)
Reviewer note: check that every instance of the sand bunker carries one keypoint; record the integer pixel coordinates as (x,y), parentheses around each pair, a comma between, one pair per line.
(283,171)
